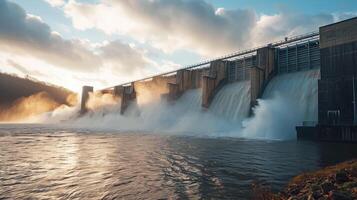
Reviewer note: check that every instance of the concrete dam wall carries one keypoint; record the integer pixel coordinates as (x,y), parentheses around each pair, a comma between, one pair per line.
(255,69)
(243,92)
(288,100)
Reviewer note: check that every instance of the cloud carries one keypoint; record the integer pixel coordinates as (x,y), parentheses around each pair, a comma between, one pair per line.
(186,24)
(27,36)
(270,28)
(126,58)
(167,25)
(22,69)
(55,3)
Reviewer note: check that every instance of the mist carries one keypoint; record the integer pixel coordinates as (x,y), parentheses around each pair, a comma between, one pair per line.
(288,100)
(25,108)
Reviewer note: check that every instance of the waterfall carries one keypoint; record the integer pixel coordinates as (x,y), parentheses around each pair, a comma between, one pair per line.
(232,101)
(288,100)
(190,101)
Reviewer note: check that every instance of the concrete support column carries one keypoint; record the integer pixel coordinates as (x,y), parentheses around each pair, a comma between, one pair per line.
(211,83)
(118,91)
(257,77)
(182,83)
(261,74)
(266,61)
(179,79)
(128,95)
(85,96)
(184,79)
(208,87)
(174,91)
(197,78)
(187,80)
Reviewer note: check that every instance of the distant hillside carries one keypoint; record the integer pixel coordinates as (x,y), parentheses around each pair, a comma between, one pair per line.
(12,88)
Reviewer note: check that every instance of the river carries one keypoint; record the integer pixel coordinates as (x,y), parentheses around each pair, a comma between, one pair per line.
(54,162)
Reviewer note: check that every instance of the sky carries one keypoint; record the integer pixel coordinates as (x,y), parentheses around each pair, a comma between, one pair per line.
(103,43)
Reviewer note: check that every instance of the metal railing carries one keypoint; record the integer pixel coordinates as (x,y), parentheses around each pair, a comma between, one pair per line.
(232,55)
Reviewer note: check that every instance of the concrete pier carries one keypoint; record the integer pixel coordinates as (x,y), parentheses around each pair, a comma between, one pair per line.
(85,96)
(261,74)
(185,80)
(213,81)
(174,92)
(178,86)
(118,91)
(128,96)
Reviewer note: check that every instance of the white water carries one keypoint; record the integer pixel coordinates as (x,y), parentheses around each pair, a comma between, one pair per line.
(288,100)
(232,101)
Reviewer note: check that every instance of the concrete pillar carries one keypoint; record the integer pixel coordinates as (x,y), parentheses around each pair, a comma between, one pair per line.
(85,96)
(118,91)
(211,83)
(179,79)
(256,83)
(187,80)
(261,74)
(128,95)
(208,87)
(196,78)
(266,61)
(182,83)
(174,91)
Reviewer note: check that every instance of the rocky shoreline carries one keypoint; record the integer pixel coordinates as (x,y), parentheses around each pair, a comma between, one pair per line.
(338,182)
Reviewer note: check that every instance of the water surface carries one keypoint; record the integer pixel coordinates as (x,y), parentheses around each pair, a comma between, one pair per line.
(46,162)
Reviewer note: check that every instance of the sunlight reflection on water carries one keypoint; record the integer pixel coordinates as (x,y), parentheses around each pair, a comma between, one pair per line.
(45,162)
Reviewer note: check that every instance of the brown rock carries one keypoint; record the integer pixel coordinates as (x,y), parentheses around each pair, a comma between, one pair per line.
(310,197)
(292,198)
(294,191)
(325,197)
(341,176)
(339,195)
(315,187)
(327,187)
(317,194)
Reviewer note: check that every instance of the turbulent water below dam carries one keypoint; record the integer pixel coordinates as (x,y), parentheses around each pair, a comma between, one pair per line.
(160,150)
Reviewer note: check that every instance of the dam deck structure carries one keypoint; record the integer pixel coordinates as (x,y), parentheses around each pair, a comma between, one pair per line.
(315,50)
(257,65)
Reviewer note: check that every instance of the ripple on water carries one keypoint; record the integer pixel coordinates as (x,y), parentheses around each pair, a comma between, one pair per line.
(43,162)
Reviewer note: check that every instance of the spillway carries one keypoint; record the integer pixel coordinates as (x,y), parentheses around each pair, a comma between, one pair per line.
(190,101)
(288,100)
(232,101)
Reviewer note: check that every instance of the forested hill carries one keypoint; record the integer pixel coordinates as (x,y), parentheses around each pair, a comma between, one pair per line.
(13,87)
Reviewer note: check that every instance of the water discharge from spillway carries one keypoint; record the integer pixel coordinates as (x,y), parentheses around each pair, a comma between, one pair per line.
(232,101)
(288,100)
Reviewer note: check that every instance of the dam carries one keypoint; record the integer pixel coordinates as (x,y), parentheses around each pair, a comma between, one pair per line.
(303,85)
